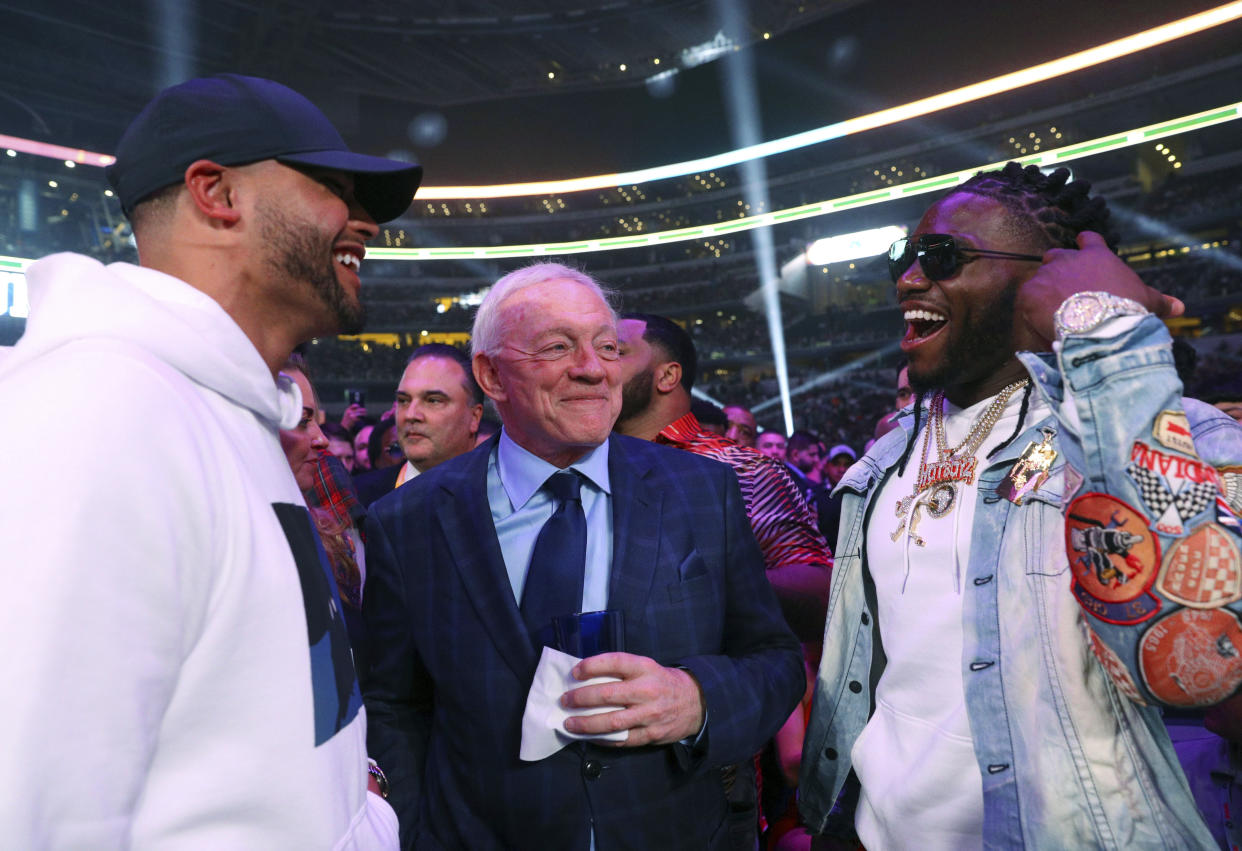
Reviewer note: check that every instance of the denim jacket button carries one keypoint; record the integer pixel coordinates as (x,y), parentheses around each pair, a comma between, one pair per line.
(855,686)
(831,753)
(865,619)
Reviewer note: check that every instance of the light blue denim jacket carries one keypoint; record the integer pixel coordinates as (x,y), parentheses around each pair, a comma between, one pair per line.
(1067,761)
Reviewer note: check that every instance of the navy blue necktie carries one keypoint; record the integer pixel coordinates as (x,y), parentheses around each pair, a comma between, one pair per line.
(554,581)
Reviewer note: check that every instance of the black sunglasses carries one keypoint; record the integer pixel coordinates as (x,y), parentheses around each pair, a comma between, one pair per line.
(939,256)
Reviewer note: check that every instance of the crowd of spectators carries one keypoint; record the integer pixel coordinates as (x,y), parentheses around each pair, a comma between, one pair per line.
(1217,368)
(842,410)
(336,359)
(855,308)
(1199,277)
(1219,191)
(727,334)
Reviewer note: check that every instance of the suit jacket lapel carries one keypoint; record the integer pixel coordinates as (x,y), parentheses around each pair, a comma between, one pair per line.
(636,514)
(466,518)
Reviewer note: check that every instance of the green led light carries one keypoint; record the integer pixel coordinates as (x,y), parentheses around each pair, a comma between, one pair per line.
(1055,156)
(1113,141)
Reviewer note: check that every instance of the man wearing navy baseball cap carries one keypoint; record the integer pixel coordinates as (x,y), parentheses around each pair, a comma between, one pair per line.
(179,670)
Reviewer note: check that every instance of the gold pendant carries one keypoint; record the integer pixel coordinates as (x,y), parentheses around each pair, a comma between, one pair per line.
(903,511)
(1031,469)
(941,499)
(908,510)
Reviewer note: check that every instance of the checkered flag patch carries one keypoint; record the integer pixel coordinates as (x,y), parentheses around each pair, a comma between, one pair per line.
(1193,498)
(1156,494)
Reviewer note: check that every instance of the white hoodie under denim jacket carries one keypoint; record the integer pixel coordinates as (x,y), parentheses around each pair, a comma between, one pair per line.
(1067,759)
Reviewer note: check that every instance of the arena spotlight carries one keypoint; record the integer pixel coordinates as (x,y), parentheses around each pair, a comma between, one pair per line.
(742,105)
(828,376)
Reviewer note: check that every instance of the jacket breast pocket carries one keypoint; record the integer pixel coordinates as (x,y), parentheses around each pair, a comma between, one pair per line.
(692,579)
(686,616)
(1042,521)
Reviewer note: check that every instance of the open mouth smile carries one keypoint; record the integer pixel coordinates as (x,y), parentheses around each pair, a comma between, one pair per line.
(921,325)
(349,260)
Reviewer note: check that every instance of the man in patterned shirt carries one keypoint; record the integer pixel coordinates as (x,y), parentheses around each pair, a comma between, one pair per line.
(658,368)
(658,365)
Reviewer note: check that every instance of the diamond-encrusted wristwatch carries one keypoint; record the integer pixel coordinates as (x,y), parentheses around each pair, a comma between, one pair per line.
(1082,312)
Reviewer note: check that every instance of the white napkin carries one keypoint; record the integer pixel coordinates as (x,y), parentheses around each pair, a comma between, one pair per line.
(543,723)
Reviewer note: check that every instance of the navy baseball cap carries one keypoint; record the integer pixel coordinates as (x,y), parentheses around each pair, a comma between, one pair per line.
(233,120)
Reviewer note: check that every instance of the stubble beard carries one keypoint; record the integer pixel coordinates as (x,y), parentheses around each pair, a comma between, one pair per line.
(986,342)
(635,396)
(294,253)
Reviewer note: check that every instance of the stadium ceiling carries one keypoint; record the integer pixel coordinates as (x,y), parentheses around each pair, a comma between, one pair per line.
(533,89)
(76,61)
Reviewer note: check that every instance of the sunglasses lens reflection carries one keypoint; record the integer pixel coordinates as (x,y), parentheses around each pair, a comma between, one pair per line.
(938,257)
(900,255)
(936,253)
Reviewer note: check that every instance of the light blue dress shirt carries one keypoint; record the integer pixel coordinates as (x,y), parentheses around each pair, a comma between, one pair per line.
(520,508)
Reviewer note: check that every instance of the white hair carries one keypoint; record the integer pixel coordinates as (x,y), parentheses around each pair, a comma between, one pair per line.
(485,336)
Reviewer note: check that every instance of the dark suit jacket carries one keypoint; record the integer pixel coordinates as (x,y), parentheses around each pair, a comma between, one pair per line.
(451,661)
(374,484)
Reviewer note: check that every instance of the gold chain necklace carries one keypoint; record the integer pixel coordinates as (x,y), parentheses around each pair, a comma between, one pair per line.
(982,427)
(936,486)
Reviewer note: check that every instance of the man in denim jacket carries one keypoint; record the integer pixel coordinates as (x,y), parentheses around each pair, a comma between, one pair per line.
(1039,558)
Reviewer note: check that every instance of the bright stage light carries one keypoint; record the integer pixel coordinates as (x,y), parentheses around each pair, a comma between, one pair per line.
(852,246)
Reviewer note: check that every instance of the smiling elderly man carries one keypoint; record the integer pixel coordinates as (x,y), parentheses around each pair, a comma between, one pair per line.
(710,670)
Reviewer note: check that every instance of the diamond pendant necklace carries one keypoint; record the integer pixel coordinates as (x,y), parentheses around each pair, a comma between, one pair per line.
(936,486)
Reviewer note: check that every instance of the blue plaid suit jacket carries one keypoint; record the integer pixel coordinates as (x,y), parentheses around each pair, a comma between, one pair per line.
(451,662)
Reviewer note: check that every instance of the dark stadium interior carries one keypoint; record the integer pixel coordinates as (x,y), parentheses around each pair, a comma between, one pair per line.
(485,92)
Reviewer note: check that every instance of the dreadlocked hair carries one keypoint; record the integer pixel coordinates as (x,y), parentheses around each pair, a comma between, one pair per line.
(1017,429)
(914,435)
(1058,209)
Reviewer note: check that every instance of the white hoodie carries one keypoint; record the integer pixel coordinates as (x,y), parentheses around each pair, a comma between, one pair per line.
(160,688)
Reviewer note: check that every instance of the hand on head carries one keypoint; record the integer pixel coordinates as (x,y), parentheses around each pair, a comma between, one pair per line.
(1065,271)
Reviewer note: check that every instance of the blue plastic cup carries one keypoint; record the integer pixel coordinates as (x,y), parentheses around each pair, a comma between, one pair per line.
(587,634)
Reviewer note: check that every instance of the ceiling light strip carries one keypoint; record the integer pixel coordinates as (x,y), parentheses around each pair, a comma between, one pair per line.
(56,152)
(1115,141)
(966,94)
(1055,156)
(1007,82)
